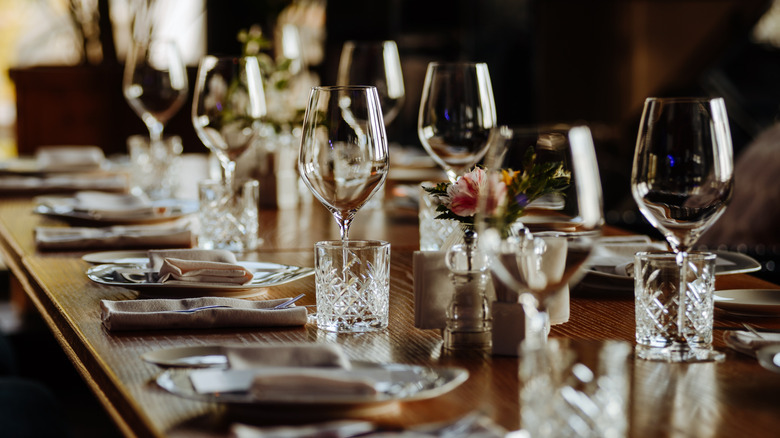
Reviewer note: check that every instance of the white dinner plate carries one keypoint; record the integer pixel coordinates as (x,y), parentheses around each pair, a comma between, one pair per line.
(728,263)
(128,275)
(769,357)
(201,356)
(123,257)
(749,301)
(162,210)
(407,383)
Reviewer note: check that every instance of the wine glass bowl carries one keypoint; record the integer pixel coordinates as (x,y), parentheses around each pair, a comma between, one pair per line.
(228,106)
(457,112)
(374,63)
(682,176)
(343,157)
(155,83)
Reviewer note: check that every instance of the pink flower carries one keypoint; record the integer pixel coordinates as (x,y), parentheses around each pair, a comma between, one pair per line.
(464,193)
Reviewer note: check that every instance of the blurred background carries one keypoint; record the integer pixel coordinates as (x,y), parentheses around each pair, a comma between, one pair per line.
(550,60)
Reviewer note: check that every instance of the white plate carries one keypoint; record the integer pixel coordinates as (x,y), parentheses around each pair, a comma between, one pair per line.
(265,275)
(202,356)
(409,382)
(163,210)
(749,301)
(119,257)
(728,263)
(769,357)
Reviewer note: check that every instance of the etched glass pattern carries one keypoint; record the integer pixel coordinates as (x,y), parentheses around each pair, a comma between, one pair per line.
(575,389)
(353,285)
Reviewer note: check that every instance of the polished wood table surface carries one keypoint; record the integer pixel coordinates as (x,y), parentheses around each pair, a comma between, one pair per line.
(729,399)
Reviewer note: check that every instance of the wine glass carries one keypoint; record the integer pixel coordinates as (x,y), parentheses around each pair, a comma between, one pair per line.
(683,171)
(374,63)
(539,216)
(228,106)
(343,157)
(457,112)
(682,180)
(155,83)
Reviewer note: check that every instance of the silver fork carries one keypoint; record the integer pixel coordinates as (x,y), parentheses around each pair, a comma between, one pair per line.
(283,305)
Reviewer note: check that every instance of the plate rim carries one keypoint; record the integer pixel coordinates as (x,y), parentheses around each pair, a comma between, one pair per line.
(459,376)
(189,207)
(748,308)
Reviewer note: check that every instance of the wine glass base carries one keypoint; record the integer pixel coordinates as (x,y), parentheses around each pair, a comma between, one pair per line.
(679,353)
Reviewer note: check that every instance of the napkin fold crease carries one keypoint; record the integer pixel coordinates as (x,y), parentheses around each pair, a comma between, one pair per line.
(159,314)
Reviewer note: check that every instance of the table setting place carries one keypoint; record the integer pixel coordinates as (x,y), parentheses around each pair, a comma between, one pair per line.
(61,169)
(513,233)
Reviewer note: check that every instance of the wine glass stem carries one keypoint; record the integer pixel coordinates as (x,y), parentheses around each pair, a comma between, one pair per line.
(229,168)
(344,228)
(536,321)
(682,262)
(451,175)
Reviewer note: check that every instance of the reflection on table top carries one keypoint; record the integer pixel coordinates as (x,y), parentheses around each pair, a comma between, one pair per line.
(733,398)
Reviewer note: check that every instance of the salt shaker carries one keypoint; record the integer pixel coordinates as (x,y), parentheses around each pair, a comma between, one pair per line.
(469,321)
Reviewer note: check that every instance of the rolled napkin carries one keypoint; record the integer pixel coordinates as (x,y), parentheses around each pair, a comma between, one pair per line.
(116,237)
(158,314)
(69,158)
(198,265)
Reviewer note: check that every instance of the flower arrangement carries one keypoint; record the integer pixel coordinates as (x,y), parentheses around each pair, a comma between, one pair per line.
(508,192)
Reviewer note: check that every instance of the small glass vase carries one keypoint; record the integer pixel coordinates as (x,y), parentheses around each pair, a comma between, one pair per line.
(469,321)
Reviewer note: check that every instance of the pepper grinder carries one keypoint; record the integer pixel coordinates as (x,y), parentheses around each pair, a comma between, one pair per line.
(469,321)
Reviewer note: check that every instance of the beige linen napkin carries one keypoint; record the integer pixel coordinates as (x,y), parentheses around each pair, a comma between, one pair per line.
(63,183)
(69,158)
(102,205)
(198,265)
(286,355)
(141,236)
(157,314)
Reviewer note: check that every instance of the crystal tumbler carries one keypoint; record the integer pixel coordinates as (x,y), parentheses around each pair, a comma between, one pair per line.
(674,306)
(353,285)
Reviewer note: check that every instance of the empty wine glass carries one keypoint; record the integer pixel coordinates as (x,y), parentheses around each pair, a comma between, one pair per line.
(155,83)
(682,180)
(228,106)
(374,63)
(540,214)
(343,157)
(457,112)
(683,171)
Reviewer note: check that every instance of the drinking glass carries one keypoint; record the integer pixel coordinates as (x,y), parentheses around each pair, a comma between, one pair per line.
(374,63)
(682,179)
(457,112)
(683,172)
(540,247)
(155,83)
(343,157)
(228,107)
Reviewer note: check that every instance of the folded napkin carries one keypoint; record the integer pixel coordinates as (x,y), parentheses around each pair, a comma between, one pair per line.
(748,343)
(198,265)
(157,314)
(141,236)
(287,355)
(69,158)
(615,255)
(63,183)
(102,205)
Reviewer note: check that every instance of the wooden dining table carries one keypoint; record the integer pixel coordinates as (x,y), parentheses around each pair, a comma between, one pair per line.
(733,398)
